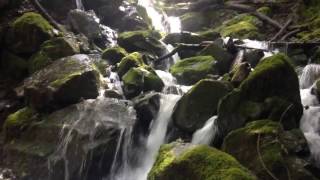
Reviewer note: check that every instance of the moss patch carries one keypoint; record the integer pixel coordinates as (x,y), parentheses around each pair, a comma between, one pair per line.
(18,121)
(197,162)
(190,70)
(114,55)
(128,62)
(28,32)
(243,26)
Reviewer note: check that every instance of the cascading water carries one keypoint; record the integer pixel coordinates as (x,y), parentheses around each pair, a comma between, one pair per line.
(309,74)
(160,21)
(310,121)
(206,134)
(136,162)
(146,155)
(79,4)
(84,129)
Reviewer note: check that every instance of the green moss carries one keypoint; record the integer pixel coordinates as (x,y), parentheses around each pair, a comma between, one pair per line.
(164,159)
(243,29)
(273,76)
(197,162)
(141,79)
(190,70)
(310,21)
(242,144)
(51,50)
(16,122)
(243,26)
(114,55)
(141,41)
(223,57)
(128,62)
(32,18)
(57,83)
(265,10)
(28,32)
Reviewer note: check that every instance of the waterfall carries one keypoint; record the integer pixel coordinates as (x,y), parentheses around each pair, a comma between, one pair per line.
(309,75)
(310,126)
(160,21)
(310,121)
(206,134)
(79,4)
(88,119)
(171,85)
(146,155)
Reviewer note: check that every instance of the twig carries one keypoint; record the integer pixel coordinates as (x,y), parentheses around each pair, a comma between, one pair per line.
(291,33)
(46,15)
(261,160)
(282,30)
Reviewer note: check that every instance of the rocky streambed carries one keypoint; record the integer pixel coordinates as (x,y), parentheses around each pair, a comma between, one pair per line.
(159,90)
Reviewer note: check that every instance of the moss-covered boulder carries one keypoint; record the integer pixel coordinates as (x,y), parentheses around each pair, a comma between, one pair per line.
(28,32)
(271,91)
(52,50)
(190,70)
(140,79)
(223,57)
(243,26)
(128,62)
(13,66)
(42,143)
(141,41)
(58,84)
(265,149)
(114,55)
(18,121)
(188,162)
(199,104)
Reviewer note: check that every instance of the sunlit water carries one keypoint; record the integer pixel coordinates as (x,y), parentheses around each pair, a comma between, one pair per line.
(160,21)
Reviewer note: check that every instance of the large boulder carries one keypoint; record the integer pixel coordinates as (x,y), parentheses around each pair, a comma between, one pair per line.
(270,92)
(268,151)
(28,32)
(189,162)
(87,133)
(190,70)
(58,84)
(141,41)
(140,79)
(87,23)
(51,50)
(199,104)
